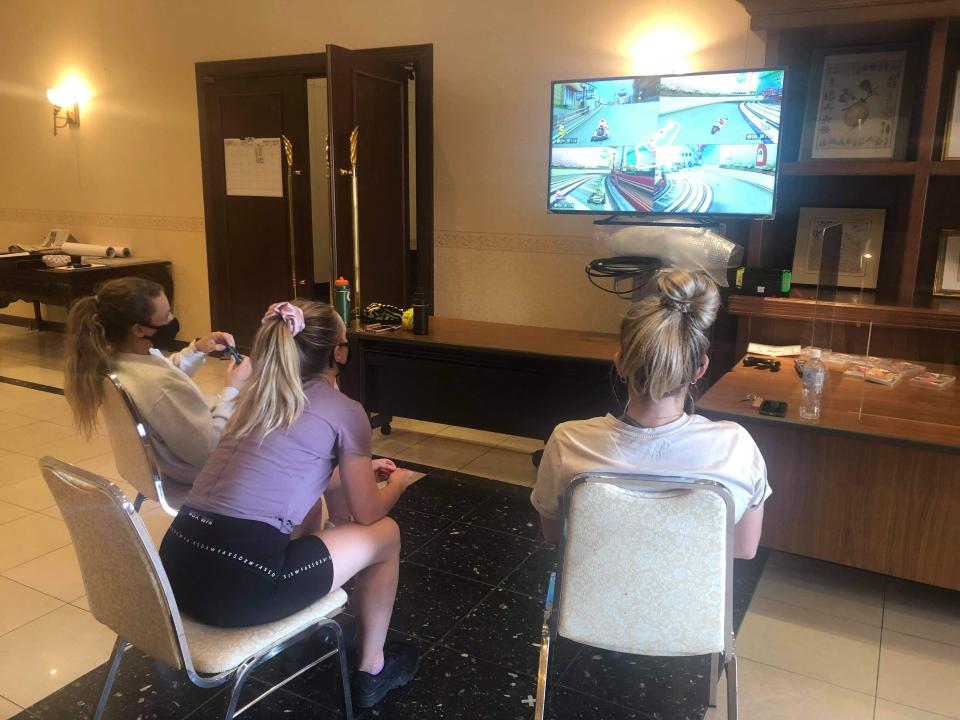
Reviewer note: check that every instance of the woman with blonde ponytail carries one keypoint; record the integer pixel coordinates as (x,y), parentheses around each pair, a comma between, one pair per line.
(662,356)
(121,330)
(248,547)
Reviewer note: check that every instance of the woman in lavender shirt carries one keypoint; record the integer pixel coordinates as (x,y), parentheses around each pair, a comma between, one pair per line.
(248,546)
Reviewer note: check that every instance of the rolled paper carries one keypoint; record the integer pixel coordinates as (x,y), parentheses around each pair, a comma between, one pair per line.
(89,250)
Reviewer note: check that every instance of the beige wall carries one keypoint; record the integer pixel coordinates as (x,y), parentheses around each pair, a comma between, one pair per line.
(131,172)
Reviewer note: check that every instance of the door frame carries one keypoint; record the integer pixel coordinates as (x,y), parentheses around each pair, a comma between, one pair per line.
(418,58)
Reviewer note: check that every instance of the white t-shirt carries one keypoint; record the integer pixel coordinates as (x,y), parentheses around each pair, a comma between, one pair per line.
(690,447)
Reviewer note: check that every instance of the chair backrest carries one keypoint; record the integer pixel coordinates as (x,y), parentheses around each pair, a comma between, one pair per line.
(127,588)
(647,565)
(132,449)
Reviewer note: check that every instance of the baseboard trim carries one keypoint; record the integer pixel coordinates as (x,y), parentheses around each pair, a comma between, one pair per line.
(31,385)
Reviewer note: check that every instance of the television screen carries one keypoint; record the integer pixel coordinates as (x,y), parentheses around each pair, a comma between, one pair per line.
(703,144)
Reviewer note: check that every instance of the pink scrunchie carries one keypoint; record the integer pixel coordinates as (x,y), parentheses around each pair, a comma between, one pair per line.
(291,315)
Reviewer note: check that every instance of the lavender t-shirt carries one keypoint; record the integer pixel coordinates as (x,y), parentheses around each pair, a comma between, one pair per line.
(279,480)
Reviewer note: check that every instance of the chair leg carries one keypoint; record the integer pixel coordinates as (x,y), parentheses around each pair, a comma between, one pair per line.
(714,678)
(543,672)
(344,673)
(118,649)
(243,672)
(732,701)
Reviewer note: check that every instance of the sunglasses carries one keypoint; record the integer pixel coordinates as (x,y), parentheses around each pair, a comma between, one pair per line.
(762,364)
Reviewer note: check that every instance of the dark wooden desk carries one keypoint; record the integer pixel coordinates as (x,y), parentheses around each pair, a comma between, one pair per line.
(504,378)
(873,484)
(30,280)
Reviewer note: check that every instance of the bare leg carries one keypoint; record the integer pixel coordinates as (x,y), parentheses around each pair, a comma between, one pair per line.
(372,554)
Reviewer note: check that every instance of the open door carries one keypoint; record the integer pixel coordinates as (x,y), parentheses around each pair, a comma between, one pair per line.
(370,94)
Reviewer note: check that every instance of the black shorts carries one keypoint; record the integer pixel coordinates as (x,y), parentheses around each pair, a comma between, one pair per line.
(230,572)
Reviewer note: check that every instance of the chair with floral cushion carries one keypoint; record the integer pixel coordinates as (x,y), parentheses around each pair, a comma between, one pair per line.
(645,568)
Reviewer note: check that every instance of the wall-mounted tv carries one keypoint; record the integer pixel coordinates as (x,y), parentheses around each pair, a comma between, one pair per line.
(700,144)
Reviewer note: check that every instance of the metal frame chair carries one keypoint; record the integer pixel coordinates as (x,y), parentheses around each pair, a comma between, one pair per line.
(154,487)
(129,592)
(722,659)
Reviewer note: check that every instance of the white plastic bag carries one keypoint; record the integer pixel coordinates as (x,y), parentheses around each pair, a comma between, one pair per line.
(677,248)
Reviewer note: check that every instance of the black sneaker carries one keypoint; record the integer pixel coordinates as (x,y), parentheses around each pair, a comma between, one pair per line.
(400,661)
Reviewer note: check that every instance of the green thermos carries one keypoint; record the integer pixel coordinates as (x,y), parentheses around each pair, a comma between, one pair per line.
(341,299)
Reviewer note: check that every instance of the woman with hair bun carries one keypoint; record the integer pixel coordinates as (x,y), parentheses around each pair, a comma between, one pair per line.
(662,355)
(248,546)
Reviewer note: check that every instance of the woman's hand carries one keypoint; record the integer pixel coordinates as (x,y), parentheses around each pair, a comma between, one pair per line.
(383,469)
(237,375)
(365,501)
(401,477)
(217,340)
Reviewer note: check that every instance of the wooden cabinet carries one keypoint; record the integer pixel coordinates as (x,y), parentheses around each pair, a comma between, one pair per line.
(873,484)
(920,193)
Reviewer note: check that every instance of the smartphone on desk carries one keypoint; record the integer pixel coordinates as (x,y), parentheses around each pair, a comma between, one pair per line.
(773,408)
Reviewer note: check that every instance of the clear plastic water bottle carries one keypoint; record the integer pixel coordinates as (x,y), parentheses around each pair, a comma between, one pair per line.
(813,376)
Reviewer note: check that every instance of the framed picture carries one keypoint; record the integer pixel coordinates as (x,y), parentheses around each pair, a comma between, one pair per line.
(951,134)
(860,245)
(947,279)
(857,106)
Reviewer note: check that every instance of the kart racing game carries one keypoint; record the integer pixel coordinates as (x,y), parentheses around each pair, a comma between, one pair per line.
(685,144)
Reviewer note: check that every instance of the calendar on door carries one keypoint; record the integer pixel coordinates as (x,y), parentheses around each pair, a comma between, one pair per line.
(252,166)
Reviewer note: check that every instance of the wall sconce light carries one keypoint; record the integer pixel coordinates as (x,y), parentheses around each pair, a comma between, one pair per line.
(66,107)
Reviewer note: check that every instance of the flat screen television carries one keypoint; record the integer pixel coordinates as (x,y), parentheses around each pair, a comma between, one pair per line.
(699,144)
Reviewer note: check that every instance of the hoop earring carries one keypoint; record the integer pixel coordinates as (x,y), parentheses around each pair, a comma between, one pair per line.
(622,378)
(694,382)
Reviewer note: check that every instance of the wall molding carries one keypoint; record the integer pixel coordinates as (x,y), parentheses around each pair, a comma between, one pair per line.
(66,218)
(518,242)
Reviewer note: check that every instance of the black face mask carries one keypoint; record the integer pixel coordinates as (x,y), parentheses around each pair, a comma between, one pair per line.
(165,335)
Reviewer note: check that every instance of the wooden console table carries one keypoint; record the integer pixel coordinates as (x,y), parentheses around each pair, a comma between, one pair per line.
(30,280)
(873,484)
(504,378)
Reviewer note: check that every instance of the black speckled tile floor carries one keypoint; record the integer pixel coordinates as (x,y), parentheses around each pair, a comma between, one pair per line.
(471,589)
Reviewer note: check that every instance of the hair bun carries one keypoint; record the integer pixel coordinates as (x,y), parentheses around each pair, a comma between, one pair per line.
(675,305)
(691,293)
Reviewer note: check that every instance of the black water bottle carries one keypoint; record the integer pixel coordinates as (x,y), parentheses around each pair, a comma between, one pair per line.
(420,313)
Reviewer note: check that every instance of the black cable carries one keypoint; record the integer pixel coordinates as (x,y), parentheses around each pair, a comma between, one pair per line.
(640,268)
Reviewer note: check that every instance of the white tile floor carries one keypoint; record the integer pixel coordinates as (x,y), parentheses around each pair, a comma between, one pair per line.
(820,642)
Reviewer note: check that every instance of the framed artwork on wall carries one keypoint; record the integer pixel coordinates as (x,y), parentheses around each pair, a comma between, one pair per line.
(947,279)
(857,107)
(860,245)
(951,133)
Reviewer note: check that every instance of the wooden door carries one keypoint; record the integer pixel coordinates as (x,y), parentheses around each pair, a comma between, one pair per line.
(248,237)
(370,94)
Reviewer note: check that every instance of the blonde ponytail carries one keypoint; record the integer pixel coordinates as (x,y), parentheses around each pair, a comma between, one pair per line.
(663,338)
(273,397)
